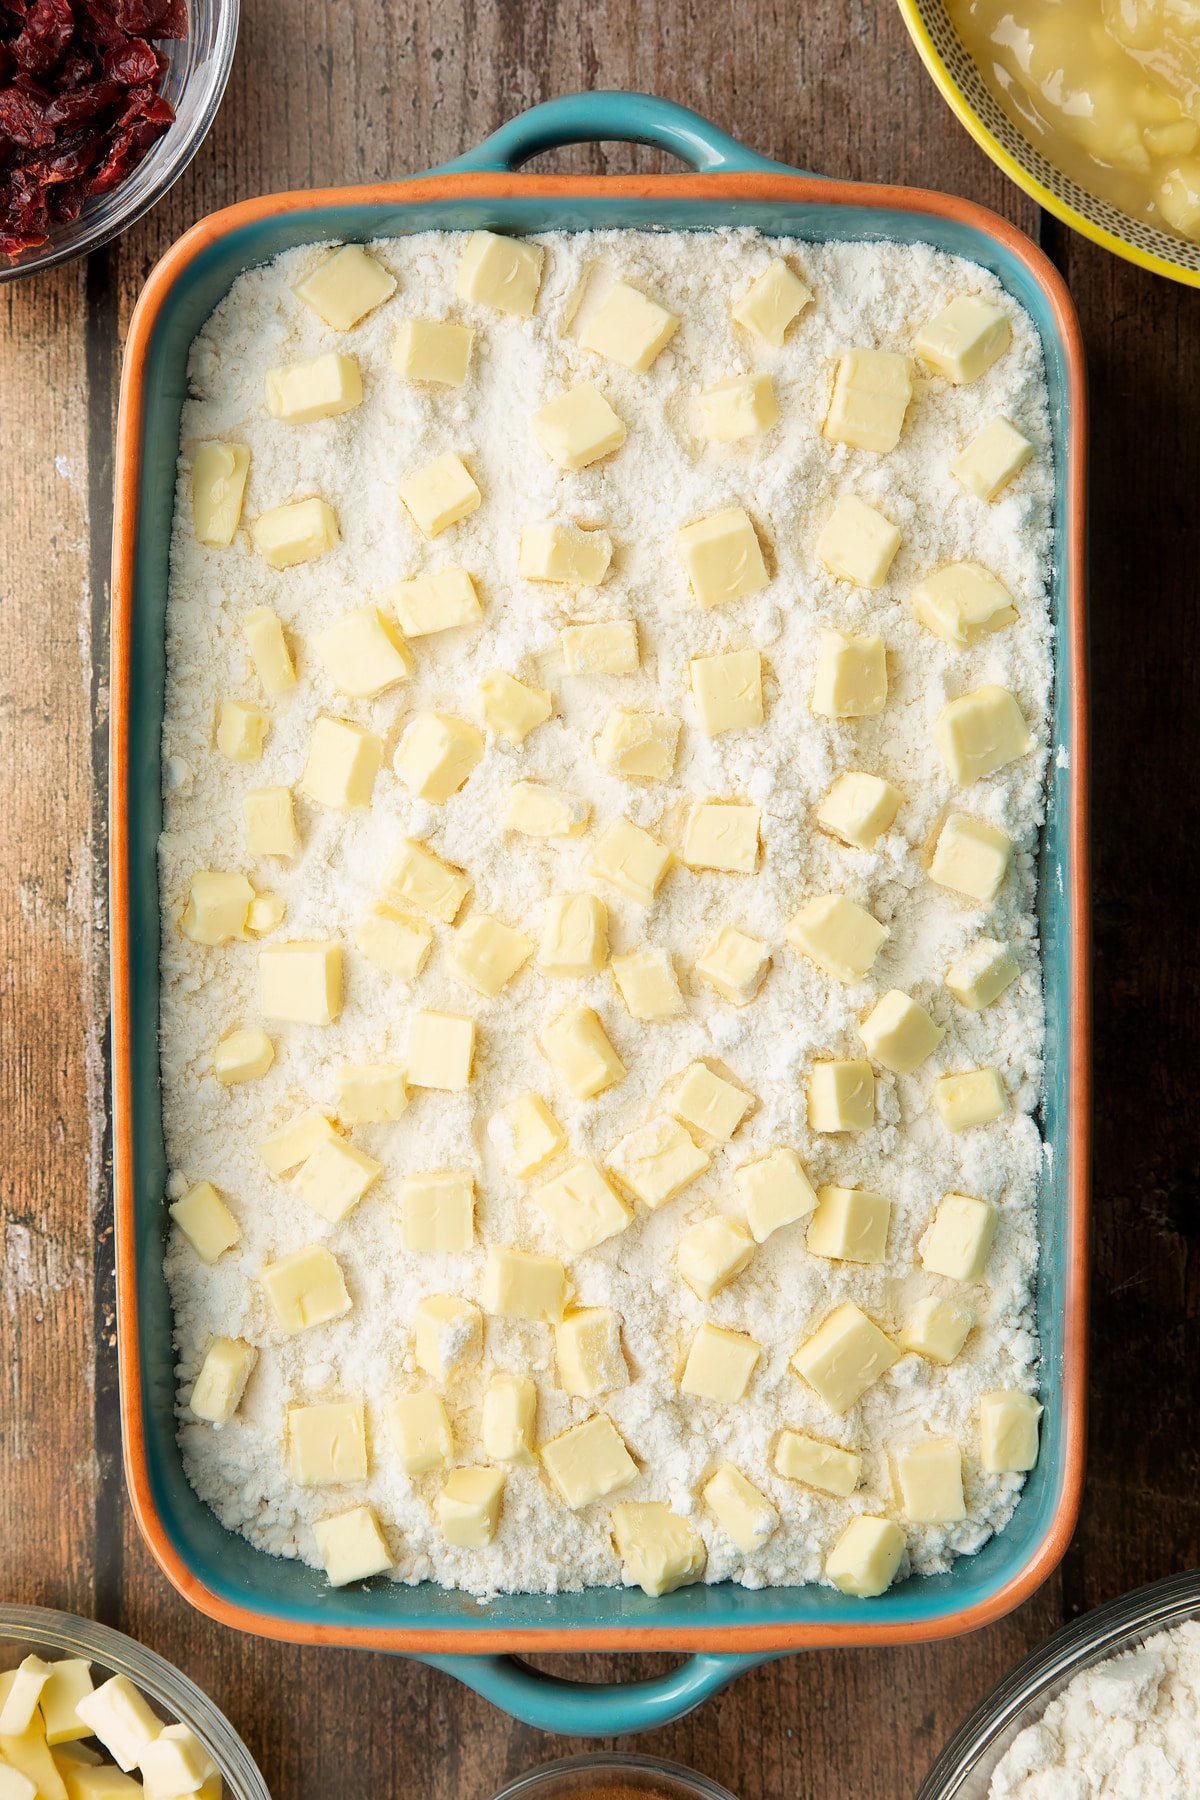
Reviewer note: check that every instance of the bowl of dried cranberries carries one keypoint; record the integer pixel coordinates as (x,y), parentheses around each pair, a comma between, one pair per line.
(103,103)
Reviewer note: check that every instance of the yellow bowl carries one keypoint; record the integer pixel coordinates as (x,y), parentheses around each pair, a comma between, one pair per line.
(946,58)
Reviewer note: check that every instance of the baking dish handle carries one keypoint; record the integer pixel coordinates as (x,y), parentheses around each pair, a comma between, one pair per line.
(586,1709)
(613,116)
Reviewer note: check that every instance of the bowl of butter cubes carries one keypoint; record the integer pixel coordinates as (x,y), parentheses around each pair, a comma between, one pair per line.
(88,1714)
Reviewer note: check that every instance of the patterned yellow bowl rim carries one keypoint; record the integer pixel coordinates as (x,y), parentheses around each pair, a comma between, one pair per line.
(961,83)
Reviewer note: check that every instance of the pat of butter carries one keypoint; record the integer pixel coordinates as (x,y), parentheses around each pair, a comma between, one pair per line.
(971,857)
(744,1514)
(436,755)
(899,1033)
(992,459)
(218,1388)
(962,603)
(297,532)
(468,1507)
(629,328)
(438,1212)
(609,647)
(539,811)
(722,557)
(352,1546)
(433,350)
(327,1444)
(241,729)
(441,1047)
(363,654)
(343,761)
(659,1550)
(964,339)
(719,1364)
(840,937)
(219,474)
(447,1335)
(122,1718)
(631,859)
(306,1288)
(980,733)
(512,708)
(771,302)
(982,974)
(859,808)
(528,1135)
(574,935)
(216,907)
(929,1479)
(69,1682)
(394,941)
(486,955)
(959,1239)
(866,1557)
(437,602)
(177,1763)
(734,963)
(588,1461)
(300,393)
(20,1703)
(850,1225)
(712,1254)
(301,982)
(647,983)
(519,1285)
(851,680)
(722,834)
(727,690)
(584,1209)
(345,286)
(577,1047)
(741,407)
(439,494)
(370,1093)
(708,1102)
(564,553)
(1008,1431)
(845,1357)
(857,543)
(590,1358)
(830,1470)
(270,822)
(577,428)
(266,912)
(640,746)
(657,1160)
(335,1178)
(937,1330)
(206,1222)
(294,1143)
(501,272)
(974,1098)
(507,1417)
(871,392)
(269,652)
(775,1191)
(422,879)
(841,1096)
(29,1769)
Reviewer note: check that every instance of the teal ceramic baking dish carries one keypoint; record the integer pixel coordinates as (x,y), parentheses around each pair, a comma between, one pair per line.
(729,1627)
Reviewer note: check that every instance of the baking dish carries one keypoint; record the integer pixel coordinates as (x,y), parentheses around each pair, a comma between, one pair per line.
(729,1626)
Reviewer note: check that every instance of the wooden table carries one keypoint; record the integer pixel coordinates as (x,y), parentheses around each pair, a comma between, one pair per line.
(368,90)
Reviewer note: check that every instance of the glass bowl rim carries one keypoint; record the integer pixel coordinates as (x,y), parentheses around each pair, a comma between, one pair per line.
(599,1761)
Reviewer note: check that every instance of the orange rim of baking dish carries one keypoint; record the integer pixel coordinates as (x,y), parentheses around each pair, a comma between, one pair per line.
(506,1639)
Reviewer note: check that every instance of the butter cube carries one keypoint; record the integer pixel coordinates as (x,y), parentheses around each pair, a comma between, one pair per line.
(436,755)
(609,647)
(590,1358)
(975,1098)
(859,808)
(899,1033)
(177,1763)
(839,936)
(629,328)
(501,272)
(971,857)
(771,302)
(564,553)
(982,974)
(577,428)
(306,1288)
(962,603)
(343,761)
(301,982)
(539,811)
(219,474)
(447,1335)
(584,1209)
(657,1160)
(850,1225)
(69,1682)
(335,1177)
(439,1212)
(727,690)
(574,935)
(486,955)
(992,459)
(296,532)
(327,1444)
(871,392)
(394,941)
(851,681)
(29,1769)
(937,1329)
(506,1418)
(866,1557)
(370,1093)
(422,879)
(659,1551)
(712,1254)
(468,1507)
(647,983)
(576,1046)
(722,557)
(1008,1431)
(20,1704)
(363,654)
(799,1457)
(775,1191)
(300,393)
(269,652)
(433,350)
(722,834)
(741,407)
(517,1285)
(240,731)
(857,543)
(588,1461)
(218,1388)
(295,1142)
(960,1237)
(719,1364)
(841,1096)
(734,963)
(980,733)
(345,286)
(929,1480)
(439,494)
(744,1514)
(206,1222)
(528,1135)
(964,339)
(270,822)
(437,602)
(512,708)
(845,1357)
(122,1719)
(266,912)
(216,907)
(633,860)
(639,746)
(440,1051)
(708,1102)
(352,1546)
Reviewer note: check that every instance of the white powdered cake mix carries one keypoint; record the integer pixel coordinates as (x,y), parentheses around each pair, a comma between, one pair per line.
(665,475)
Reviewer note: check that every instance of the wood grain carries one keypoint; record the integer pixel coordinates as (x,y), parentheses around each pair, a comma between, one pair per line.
(354,90)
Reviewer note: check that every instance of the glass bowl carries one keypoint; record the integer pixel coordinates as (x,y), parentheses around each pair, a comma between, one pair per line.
(29,1629)
(197,70)
(622,1775)
(965,1768)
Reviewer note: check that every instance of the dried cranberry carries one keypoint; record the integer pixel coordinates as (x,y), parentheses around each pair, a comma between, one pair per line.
(72,156)
(83,103)
(132,63)
(76,70)
(23,120)
(48,29)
